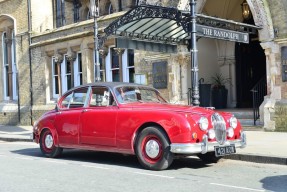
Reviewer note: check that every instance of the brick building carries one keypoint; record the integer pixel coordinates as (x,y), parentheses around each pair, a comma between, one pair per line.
(47,47)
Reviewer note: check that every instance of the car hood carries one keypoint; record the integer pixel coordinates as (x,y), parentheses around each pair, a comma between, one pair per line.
(169,107)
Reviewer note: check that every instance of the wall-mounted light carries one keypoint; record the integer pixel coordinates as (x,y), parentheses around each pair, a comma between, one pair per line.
(245,10)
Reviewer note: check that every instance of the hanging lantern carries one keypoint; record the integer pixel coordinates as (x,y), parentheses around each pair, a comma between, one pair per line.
(245,10)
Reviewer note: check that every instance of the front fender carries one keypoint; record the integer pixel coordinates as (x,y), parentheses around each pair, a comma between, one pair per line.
(49,125)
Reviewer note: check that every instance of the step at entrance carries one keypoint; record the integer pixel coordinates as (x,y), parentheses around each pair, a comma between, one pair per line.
(245,116)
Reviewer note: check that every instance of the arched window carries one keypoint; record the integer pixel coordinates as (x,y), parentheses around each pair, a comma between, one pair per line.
(9,66)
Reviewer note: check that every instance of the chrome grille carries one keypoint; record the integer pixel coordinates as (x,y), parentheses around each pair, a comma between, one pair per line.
(219,128)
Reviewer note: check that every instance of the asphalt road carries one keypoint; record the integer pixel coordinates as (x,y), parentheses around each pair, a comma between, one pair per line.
(23,168)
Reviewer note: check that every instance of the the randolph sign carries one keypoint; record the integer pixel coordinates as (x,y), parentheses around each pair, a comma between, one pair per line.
(217,33)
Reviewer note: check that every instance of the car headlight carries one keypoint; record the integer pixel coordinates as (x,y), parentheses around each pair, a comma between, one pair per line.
(203,123)
(230,132)
(233,122)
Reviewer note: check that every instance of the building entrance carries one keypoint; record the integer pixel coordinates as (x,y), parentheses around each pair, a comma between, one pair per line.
(250,70)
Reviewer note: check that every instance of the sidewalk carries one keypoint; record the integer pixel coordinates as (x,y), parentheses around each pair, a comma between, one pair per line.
(262,147)
(16,133)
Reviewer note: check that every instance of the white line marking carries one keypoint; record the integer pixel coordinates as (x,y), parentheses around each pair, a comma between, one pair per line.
(96,167)
(154,175)
(59,162)
(231,186)
(24,158)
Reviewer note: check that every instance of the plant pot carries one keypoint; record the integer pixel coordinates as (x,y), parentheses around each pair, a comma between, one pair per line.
(219,98)
(204,95)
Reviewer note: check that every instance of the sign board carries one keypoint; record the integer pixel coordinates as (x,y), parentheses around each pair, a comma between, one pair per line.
(159,74)
(218,33)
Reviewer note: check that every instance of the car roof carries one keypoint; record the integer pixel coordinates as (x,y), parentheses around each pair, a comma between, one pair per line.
(111,85)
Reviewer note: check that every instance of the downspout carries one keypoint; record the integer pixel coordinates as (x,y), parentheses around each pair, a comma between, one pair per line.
(30,62)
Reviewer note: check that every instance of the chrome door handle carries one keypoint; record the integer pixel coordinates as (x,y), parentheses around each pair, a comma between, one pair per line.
(85,110)
(59,113)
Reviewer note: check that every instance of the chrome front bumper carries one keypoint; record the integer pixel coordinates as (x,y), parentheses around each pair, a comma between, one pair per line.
(205,146)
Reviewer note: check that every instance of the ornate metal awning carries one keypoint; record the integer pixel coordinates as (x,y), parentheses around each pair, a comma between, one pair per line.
(170,26)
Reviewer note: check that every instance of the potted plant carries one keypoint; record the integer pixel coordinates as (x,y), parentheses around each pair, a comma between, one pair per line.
(219,91)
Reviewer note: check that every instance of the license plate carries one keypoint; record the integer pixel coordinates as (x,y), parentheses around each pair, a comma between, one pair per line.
(226,150)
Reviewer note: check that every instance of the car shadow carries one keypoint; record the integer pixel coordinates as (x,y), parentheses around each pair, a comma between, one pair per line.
(275,183)
(107,158)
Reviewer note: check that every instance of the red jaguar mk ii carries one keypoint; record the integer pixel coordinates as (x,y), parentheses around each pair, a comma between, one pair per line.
(135,119)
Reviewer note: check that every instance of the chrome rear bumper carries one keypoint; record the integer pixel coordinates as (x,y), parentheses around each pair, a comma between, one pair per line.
(205,146)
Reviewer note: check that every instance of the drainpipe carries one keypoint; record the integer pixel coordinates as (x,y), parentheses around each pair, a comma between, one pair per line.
(30,62)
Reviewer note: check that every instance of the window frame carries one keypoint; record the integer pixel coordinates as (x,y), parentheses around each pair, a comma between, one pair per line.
(6,67)
(125,66)
(75,74)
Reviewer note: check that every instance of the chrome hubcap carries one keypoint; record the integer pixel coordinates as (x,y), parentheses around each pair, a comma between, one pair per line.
(49,141)
(152,149)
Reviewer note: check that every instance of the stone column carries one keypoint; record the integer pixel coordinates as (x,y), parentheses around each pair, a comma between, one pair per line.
(103,54)
(58,61)
(120,52)
(71,57)
(181,68)
(267,108)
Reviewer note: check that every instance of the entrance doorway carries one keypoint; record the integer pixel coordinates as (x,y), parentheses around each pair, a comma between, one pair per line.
(250,69)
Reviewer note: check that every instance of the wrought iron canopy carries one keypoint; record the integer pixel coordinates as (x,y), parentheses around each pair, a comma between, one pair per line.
(166,25)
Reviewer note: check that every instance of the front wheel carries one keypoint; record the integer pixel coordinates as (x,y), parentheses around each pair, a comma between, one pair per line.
(47,145)
(153,149)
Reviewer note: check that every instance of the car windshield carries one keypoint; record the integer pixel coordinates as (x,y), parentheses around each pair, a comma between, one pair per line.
(129,94)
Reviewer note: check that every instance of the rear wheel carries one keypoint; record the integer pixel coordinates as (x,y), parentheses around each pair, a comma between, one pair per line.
(47,145)
(209,157)
(153,149)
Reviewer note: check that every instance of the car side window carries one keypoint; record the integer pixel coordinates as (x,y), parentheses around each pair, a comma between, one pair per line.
(79,98)
(101,96)
(74,99)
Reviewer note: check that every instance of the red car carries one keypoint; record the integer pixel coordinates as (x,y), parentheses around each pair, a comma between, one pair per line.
(135,119)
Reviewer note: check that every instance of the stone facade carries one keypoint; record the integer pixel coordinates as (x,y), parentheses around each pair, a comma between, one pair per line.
(47,41)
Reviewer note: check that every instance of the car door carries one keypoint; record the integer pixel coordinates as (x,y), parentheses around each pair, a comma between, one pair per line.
(99,119)
(67,118)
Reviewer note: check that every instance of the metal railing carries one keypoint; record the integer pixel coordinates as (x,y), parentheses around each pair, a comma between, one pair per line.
(258,93)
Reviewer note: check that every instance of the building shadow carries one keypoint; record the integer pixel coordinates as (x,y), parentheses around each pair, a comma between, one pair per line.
(275,183)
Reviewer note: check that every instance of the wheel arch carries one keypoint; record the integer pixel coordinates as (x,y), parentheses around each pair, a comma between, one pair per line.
(142,127)
(54,133)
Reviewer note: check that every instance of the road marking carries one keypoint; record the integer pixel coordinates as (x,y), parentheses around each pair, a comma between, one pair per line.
(231,186)
(148,174)
(51,161)
(96,167)
(24,158)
